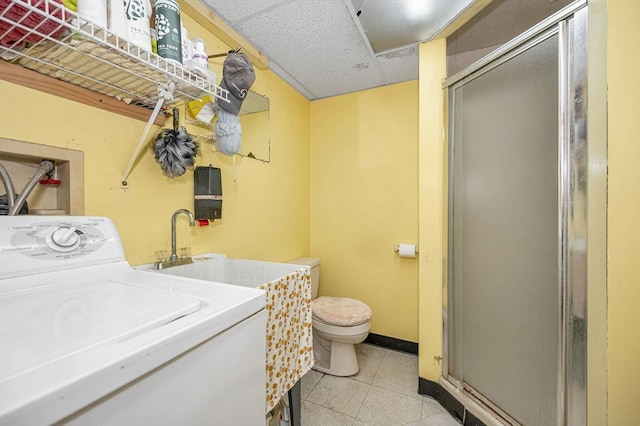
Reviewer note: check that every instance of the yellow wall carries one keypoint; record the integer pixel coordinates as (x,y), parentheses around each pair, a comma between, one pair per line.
(265,212)
(623,69)
(432,206)
(364,200)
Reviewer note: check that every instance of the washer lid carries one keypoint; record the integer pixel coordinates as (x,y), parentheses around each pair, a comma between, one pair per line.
(43,324)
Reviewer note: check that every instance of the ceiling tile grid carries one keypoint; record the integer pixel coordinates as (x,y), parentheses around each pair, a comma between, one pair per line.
(317,43)
(322,48)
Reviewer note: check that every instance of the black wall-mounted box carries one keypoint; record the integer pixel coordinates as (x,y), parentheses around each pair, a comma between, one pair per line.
(207,190)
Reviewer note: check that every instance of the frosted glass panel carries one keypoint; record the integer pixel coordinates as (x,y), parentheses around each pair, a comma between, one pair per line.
(504,236)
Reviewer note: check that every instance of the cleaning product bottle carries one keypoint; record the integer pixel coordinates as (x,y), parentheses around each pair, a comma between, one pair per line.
(94,11)
(117,19)
(199,57)
(138,15)
(186,48)
(169,30)
(152,29)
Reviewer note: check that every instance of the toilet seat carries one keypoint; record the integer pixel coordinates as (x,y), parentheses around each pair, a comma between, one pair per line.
(339,330)
(340,311)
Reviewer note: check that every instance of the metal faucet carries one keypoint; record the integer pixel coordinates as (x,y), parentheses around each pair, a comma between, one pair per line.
(174,256)
(174,260)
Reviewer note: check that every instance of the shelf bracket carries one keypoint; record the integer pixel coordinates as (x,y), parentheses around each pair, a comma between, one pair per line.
(165,94)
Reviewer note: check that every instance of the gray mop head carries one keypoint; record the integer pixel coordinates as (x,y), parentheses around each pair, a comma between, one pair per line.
(175,151)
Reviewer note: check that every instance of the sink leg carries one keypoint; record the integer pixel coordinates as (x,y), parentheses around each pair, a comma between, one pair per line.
(295,402)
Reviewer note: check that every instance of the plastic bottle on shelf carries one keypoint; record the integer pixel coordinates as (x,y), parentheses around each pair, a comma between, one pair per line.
(138,15)
(169,30)
(117,19)
(200,60)
(94,11)
(187,49)
(199,55)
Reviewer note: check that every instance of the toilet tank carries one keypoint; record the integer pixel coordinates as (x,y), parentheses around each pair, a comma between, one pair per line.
(314,265)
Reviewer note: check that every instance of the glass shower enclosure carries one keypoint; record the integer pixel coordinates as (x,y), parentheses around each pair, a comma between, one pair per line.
(515,306)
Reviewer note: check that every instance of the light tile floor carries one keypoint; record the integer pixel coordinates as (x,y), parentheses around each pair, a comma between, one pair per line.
(384,392)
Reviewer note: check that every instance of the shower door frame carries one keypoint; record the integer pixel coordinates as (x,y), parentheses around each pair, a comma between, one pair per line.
(570,24)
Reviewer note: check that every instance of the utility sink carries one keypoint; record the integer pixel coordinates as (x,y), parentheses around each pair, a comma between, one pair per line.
(288,294)
(221,269)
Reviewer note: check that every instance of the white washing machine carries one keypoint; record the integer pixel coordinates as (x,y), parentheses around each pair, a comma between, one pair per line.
(86,339)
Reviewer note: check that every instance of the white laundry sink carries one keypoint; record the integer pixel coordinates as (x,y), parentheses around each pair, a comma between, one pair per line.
(219,268)
(288,292)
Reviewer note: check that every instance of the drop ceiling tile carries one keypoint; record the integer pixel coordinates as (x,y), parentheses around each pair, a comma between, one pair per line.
(294,37)
(233,11)
(400,65)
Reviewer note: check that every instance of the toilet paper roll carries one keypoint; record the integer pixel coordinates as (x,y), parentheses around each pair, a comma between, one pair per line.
(407,250)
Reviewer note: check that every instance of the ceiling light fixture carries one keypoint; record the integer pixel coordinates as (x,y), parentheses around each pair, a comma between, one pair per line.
(396,24)
(416,11)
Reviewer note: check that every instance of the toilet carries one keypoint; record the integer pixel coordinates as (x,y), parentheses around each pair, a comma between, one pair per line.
(339,323)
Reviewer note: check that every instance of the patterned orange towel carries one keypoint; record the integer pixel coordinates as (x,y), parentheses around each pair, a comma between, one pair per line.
(289,335)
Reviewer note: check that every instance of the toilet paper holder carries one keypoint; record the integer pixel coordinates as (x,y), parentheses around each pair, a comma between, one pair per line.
(396,248)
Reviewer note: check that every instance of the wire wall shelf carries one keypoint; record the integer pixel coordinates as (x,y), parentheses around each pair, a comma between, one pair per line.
(45,36)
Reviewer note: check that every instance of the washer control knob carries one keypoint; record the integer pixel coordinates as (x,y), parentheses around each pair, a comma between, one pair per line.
(63,239)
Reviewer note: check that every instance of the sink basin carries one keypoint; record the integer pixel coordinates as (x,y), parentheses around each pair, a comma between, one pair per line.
(219,268)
